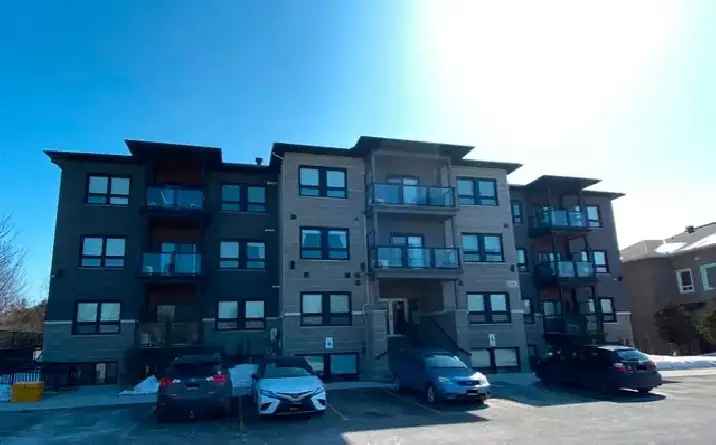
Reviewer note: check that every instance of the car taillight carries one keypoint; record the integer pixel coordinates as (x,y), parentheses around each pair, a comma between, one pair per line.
(619,367)
(219,379)
(165,381)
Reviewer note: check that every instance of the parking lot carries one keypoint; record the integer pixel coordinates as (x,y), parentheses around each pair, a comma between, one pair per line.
(679,411)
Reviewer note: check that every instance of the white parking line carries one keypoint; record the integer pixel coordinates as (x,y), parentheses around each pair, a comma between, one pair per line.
(340,414)
(405,399)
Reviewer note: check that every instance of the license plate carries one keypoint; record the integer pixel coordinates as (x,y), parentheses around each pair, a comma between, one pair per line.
(294,408)
(192,387)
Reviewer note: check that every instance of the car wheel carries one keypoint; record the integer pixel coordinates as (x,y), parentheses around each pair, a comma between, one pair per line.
(430,395)
(644,390)
(161,415)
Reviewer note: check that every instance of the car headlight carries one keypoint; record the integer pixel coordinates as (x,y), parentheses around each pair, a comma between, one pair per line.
(443,380)
(267,393)
(318,390)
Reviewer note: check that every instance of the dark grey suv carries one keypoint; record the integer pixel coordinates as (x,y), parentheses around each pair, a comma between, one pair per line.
(194,384)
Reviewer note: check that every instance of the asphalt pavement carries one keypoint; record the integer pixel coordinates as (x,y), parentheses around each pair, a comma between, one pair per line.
(679,411)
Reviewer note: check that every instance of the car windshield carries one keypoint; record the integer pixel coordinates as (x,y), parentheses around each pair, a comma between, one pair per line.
(632,355)
(443,361)
(274,371)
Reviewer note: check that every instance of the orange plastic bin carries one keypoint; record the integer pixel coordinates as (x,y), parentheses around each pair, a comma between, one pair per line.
(27,391)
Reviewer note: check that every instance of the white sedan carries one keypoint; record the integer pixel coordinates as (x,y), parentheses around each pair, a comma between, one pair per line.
(287,385)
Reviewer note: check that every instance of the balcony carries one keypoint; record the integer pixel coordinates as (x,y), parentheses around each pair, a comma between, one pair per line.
(420,199)
(169,334)
(566,273)
(173,201)
(585,328)
(556,220)
(171,265)
(416,262)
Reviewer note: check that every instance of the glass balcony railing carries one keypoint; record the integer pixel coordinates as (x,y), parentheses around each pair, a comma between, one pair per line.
(175,198)
(170,264)
(574,324)
(566,270)
(401,257)
(162,334)
(412,195)
(559,219)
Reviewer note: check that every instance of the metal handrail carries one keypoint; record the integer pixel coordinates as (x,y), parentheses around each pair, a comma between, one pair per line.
(415,257)
(171,264)
(417,195)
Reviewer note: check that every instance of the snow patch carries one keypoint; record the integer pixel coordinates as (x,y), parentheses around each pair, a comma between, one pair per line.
(150,385)
(5,393)
(703,242)
(669,363)
(667,248)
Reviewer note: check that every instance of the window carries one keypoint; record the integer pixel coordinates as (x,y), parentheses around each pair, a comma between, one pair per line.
(495,359)
(242,255)
(552,308)
(255,198)
(343,365)
(593,217)
(229,254)
(477,191)
(685,280)
(112,190)
(251,316)
(606,306)
(482,248)
(101,251)
(325,309)
(322,181)
(522,260)
(529,315)
(488,307)
(97,318)
(324,244)
(517,212)
(243,198)
(600,261)
(708,276)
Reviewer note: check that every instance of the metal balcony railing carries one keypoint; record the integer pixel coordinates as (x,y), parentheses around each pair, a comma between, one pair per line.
(402,257)
(171,264)
(412,195)
(175,198)
(163,334)
(559,219)
(565,270)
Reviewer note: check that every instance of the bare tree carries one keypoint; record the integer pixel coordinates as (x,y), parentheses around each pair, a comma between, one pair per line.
(12,271)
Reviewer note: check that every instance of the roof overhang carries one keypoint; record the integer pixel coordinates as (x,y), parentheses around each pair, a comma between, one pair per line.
(366,144)
(147,150)
(560,184)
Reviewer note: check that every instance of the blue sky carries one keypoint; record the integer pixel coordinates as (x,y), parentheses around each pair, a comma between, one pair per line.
(621,91)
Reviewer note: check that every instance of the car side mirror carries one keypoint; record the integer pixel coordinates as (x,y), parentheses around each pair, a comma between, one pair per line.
(254,377)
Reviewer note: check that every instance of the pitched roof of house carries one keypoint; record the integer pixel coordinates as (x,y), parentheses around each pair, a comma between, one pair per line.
(693,238)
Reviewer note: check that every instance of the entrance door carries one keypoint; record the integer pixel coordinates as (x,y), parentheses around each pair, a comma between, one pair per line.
(397,316)
(415,254)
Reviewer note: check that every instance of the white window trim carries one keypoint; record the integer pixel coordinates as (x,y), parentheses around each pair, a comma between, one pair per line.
(705,278)
(685,289)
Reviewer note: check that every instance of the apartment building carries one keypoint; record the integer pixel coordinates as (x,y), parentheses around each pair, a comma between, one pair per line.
(164,250)
(341,255)
(567,256)
(680,271)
